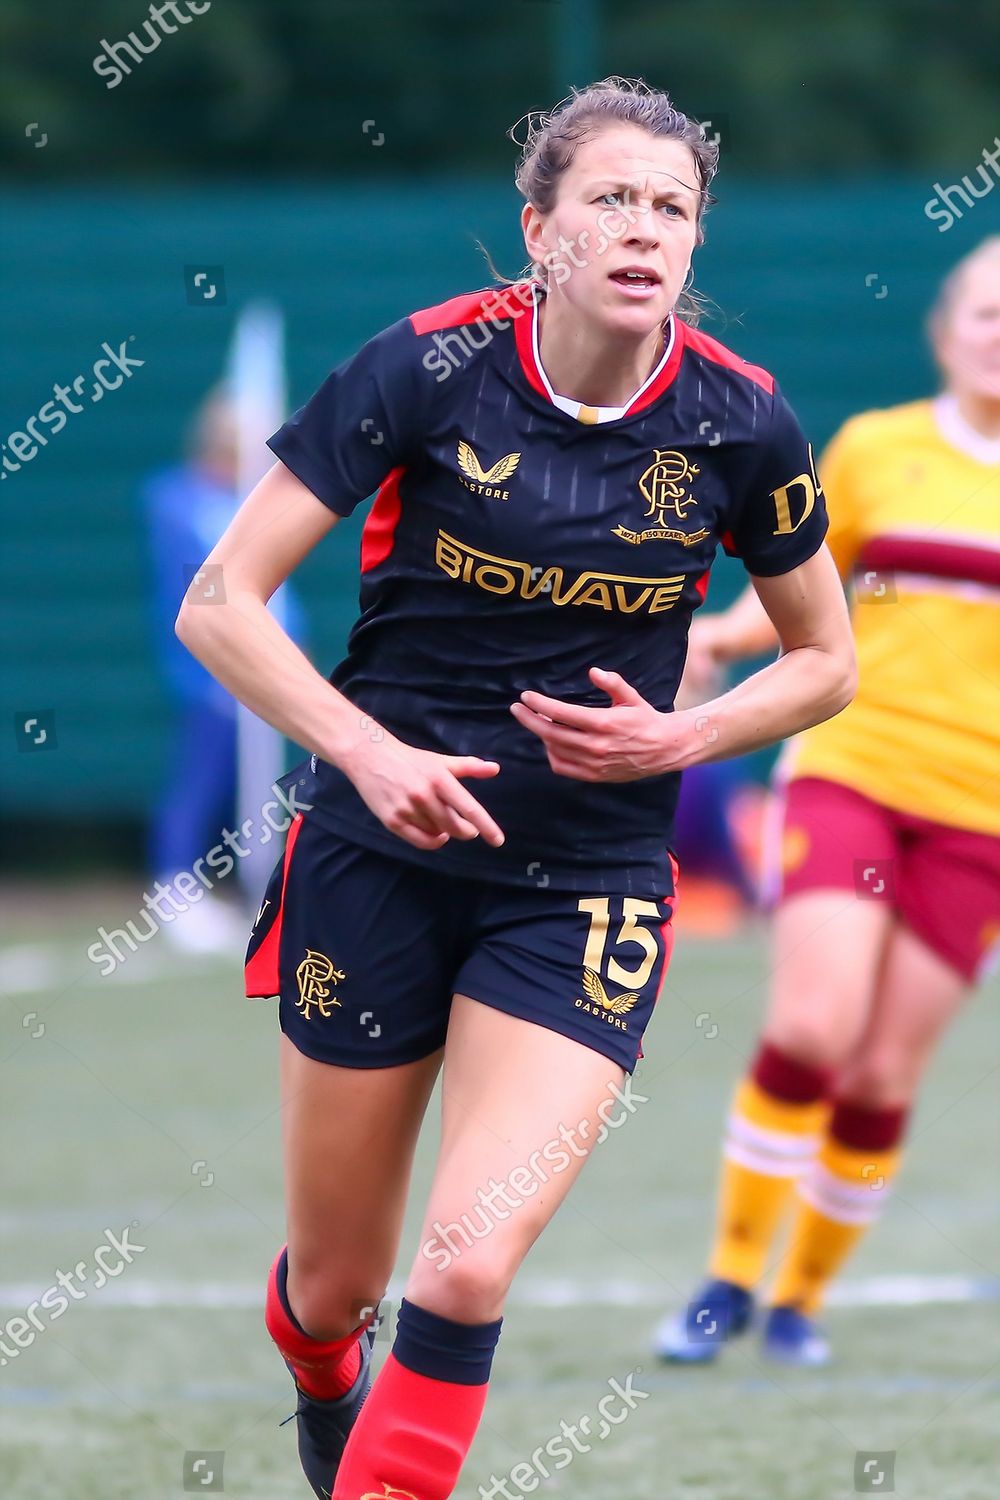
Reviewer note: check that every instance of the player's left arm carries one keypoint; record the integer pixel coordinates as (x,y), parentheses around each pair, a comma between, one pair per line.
(778,530)
(812,679)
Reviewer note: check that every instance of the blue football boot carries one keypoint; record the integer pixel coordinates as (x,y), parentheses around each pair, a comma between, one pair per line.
(719,1311)
(790,1338)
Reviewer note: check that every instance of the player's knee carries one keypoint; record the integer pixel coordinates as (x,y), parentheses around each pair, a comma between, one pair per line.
(812,1037)
(329,1306)
(881,1079)
(469,1288)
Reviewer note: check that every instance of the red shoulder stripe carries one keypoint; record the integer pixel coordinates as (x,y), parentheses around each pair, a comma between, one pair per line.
(491,302)
(709,348)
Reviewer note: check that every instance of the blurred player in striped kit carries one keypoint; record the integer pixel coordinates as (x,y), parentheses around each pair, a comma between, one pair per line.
(890,855)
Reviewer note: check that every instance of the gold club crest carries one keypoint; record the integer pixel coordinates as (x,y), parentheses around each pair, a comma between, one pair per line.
(486,481)
(388,1492)
(662,486)
(313,977)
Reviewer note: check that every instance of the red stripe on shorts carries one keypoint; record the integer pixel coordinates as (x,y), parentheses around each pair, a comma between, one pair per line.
(667,933)
(261,973)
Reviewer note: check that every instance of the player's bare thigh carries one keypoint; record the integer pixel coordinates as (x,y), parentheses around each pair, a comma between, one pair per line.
(918,995)
(349,1136)
(827,949)
(522,1107)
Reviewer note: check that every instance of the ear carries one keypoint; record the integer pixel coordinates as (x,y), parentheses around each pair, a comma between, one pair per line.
(533,229)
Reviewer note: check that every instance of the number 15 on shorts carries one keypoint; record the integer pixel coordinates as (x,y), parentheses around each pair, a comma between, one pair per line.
(628,975)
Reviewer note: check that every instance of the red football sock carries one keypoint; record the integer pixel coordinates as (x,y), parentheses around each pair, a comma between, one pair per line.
(411,1437)
(785,1077)
(418,1423)
(324,1369)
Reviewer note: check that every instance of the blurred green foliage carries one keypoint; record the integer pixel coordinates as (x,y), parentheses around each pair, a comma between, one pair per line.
(284,87)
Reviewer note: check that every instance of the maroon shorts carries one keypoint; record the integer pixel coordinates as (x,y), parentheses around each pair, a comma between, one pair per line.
(943,882)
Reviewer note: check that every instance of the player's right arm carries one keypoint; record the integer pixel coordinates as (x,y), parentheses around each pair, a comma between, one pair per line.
(225,623)
(415,793)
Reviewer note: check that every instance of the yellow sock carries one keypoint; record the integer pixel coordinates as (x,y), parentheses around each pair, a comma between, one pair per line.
(839,1199)
(769,1142)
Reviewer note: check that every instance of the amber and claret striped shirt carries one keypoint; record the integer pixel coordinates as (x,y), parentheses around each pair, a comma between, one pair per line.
(913,496)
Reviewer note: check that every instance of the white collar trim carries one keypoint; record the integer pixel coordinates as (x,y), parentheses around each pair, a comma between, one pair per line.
(955,430)
(595,413)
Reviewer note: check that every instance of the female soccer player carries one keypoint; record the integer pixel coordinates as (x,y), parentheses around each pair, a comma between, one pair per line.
(891,854)
(556,462)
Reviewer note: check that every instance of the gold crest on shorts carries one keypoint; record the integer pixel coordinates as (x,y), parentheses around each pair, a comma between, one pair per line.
(313,977)
(600,1003)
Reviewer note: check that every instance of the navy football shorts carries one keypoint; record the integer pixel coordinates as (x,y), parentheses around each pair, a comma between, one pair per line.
(365,952)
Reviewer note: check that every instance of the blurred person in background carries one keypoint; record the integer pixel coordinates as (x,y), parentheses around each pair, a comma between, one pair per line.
(717,831)
(890,856)
(186,507)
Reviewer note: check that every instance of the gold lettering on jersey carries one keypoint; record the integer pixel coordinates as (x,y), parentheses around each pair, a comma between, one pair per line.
(614,592)
(313,976)
(662,487)
(482,481)
(808,487)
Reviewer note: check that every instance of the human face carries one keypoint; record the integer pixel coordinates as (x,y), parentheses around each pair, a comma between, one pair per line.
(968,343)
(627,202)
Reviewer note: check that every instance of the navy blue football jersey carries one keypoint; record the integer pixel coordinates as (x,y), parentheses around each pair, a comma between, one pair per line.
(518,539)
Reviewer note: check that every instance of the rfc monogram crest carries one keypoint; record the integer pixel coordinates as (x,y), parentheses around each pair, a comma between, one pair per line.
(662,486)
(313,977)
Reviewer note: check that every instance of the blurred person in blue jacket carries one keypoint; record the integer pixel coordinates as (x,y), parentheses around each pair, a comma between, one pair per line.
(187,506)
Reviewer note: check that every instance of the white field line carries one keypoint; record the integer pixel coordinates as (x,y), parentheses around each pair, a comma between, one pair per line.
(29,968)
(875,1291)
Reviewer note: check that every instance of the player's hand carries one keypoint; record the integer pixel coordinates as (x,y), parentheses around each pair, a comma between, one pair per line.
(625,742)
(417,794)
